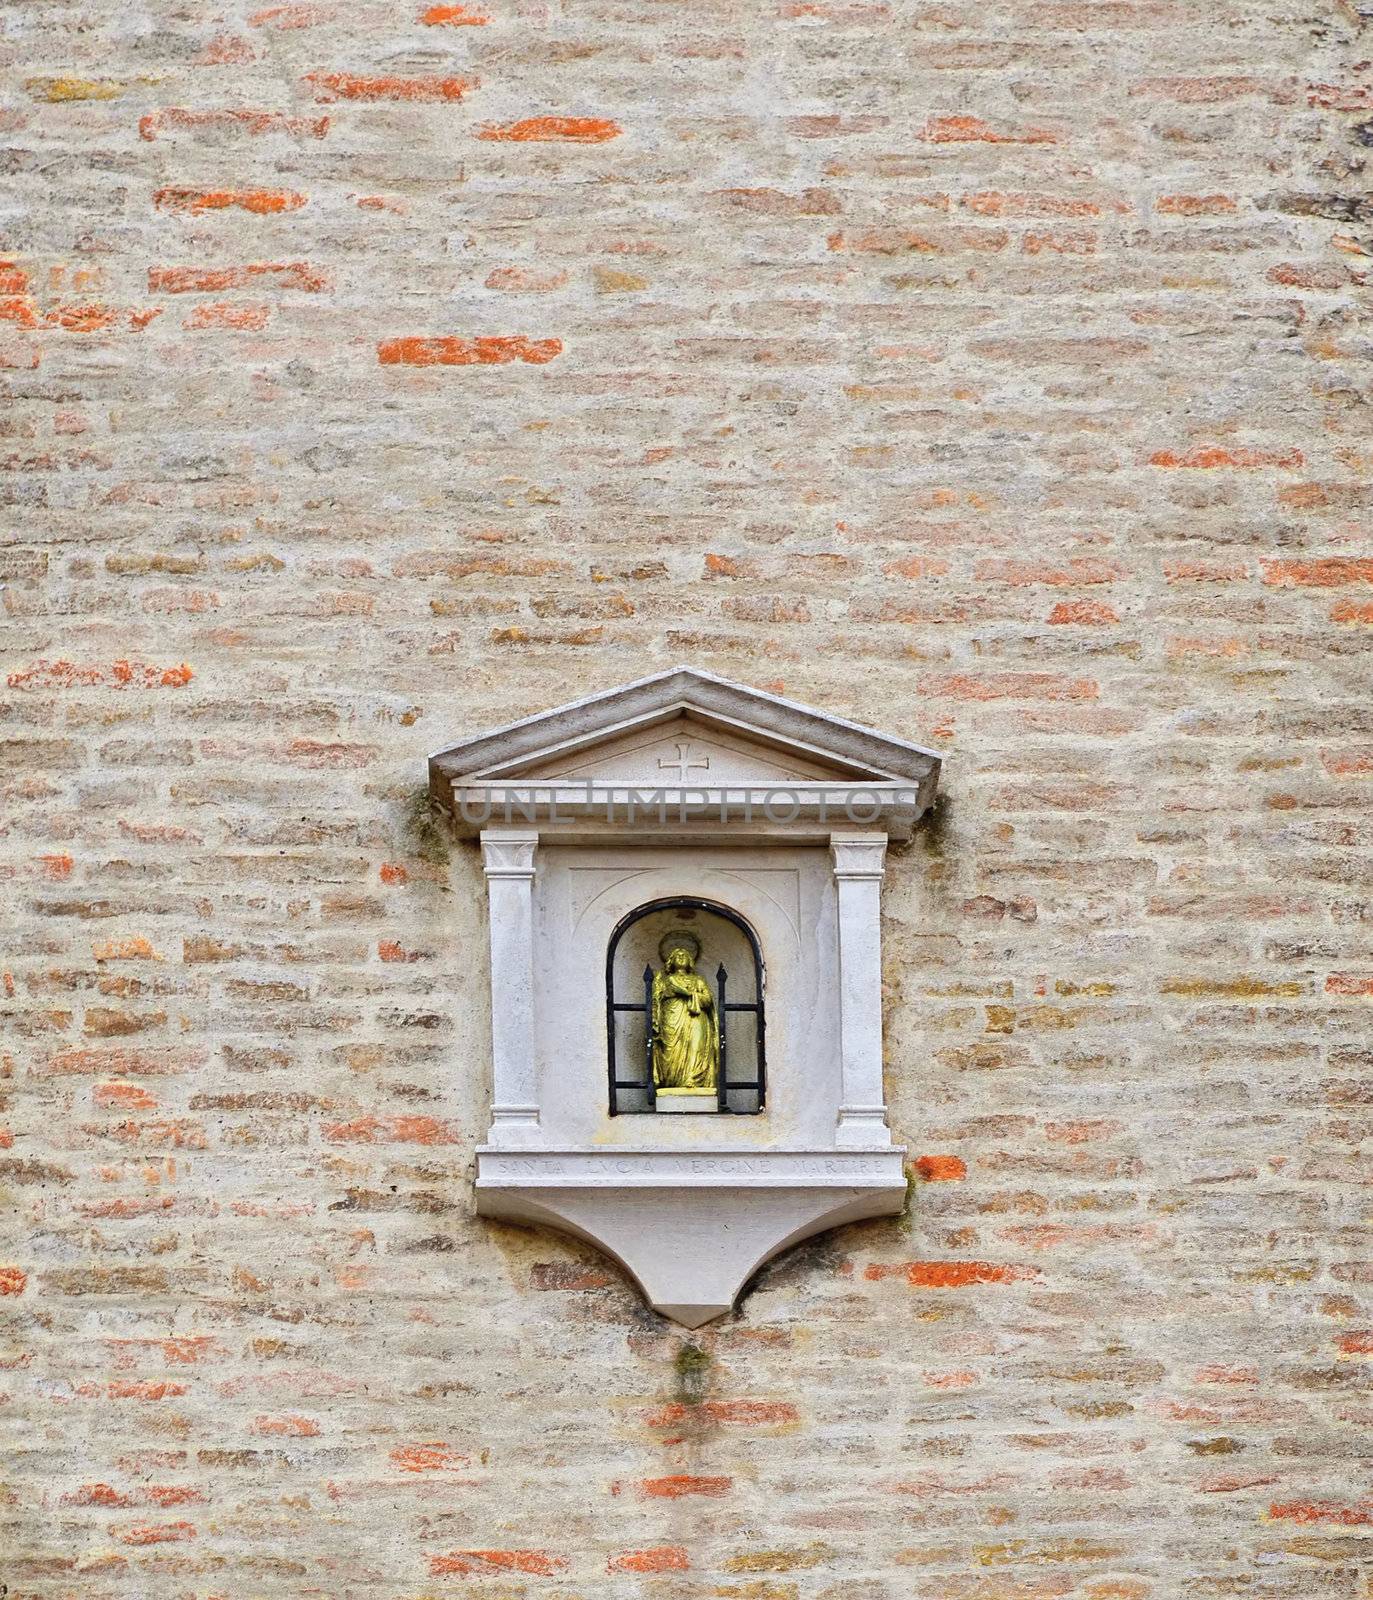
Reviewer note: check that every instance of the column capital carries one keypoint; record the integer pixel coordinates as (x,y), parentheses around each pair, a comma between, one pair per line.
(508,853)
(859,856)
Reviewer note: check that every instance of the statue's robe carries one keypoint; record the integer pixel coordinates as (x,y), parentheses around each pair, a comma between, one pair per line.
(686,1050)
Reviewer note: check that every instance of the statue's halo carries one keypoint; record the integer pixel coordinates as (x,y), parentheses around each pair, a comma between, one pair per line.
(681,938)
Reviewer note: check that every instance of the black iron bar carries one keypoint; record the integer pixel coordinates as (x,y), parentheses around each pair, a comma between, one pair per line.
(722,1075)
(648,1036)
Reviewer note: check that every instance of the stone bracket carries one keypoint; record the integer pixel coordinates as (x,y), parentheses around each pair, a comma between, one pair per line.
(690,1228)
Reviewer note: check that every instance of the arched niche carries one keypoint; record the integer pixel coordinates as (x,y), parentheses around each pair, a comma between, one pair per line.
(728,959)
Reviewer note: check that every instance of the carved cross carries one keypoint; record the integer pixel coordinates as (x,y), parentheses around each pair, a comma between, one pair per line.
(682,764)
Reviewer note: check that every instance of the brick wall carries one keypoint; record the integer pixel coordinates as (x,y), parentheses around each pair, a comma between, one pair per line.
(987,372)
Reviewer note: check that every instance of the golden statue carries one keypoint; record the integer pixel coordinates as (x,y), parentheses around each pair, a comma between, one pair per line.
(686,1029)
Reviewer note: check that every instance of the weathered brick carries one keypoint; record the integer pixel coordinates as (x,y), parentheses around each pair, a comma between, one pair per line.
(451,16)
(261,202)
(559,130)
(660,1558)
(682,1485)
(940,1169)
(329,86)
(159,124)
(965,129)
(486,1563)
(1213,456)
(450,350)
(952,1274)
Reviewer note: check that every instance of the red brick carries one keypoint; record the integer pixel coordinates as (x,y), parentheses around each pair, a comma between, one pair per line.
(940,1169)
(1083,613)
(1195,205)
(330,86)
(1205,571)
(435,1457)
(952,1274)
(95,1494)
(239,319)
(661,1558)
(156,1533)
(76,317)
(399,1129)
(682,1485)
(123,1061)
(1060,242)
(1213,456)
(21,310)
(454,351)
(1328,572)
(1327,496)
(1215,90)
(487,1563)
(393,950)
(1350,985)
(183,1350)
(1009,686)
(559,130)
(1075,572)
(117,674)
(751,1412)
(287,18)
(171,1494)
(965,130)
(286,1427)
(214,280)
(918,241)
(1234,1482)
(314,755)
(1340,96)
(132,948)
(446,16)
(1329,1511)
(525,280)
(914,567)
(1082,1130)
(993,203)
(1347,763)
(261,202)
(1296,275)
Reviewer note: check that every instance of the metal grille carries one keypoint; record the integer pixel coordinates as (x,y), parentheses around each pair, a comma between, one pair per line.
(631,1080)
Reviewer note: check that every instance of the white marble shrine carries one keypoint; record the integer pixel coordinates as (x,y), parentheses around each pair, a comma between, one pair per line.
(685,811)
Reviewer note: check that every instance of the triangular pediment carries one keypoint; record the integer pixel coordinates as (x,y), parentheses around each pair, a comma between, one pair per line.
(689,749)
(685,727)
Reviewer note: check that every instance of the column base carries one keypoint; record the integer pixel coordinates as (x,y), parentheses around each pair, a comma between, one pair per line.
(862,1126)
(514,1127)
